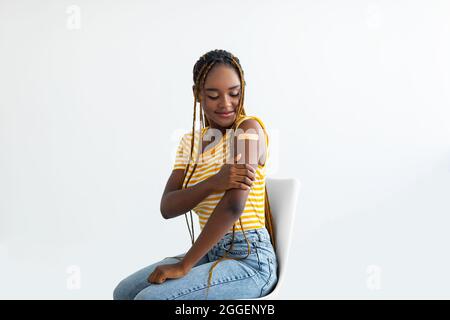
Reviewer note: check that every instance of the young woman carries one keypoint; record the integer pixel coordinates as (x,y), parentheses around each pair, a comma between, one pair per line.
(223,181)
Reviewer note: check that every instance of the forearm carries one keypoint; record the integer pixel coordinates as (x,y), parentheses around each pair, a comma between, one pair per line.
(180,201)
(218,224)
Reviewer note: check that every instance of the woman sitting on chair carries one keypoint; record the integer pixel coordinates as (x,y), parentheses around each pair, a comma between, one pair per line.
(224,183)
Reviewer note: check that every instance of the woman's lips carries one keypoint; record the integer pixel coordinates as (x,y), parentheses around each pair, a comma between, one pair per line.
(226,114)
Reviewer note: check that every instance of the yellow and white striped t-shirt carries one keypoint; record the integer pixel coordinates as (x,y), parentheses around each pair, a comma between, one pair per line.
(209,163)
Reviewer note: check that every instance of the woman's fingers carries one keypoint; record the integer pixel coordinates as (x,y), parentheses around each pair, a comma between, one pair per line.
(245,172)
(155,276)
(245,166)
(247,181)
(245,169)
(244,180)
(237,185)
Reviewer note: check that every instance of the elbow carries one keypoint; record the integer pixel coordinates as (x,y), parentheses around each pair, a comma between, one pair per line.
(235,204)
(235,209)
(164,215)
(163,210)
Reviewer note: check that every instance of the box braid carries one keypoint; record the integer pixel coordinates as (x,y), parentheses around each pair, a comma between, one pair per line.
(200,71)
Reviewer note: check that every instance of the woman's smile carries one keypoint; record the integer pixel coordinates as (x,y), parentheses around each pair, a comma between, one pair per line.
(225,114)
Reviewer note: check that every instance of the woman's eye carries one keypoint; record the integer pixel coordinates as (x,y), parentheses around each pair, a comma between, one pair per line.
(233,95)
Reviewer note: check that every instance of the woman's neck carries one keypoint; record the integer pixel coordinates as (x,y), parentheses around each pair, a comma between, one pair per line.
(223,130)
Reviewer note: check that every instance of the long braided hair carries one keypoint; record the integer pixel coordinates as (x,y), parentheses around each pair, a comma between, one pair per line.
(200,71)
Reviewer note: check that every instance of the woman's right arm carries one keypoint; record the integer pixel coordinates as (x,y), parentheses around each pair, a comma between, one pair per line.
(176,201)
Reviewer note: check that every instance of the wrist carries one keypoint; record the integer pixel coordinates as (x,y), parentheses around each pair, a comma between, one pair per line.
(211,183)
(185,266)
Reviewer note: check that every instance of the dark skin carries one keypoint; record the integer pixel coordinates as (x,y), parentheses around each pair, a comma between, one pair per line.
(235,176)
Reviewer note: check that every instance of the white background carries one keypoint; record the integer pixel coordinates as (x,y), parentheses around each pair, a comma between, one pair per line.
(94,96)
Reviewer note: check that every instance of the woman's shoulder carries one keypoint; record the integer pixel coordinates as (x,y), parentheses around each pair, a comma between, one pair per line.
(252,122)
(250,119)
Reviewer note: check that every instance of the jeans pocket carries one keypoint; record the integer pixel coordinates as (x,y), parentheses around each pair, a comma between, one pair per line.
(240,251)
(240,239)
(238,247)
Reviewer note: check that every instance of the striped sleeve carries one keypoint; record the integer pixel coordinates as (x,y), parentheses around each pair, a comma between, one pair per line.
(182,155)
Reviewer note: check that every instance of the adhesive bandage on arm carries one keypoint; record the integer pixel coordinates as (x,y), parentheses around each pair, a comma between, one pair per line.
(248,136)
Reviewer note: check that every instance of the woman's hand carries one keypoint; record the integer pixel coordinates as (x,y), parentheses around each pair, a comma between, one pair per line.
(233,175)
(167,271)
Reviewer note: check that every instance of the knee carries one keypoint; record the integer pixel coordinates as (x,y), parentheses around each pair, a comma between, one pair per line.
(122,291)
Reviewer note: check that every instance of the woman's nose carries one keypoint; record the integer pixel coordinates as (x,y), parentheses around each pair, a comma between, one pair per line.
(226,102)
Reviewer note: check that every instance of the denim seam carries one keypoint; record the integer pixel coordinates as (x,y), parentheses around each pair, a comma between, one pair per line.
(253,245)
(259,261)
(228,242)
(213,285)
(248,265)
(269,262)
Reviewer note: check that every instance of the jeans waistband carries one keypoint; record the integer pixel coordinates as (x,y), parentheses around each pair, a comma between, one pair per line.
(261,234)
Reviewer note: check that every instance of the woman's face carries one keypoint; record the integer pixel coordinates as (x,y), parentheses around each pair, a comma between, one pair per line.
(220,96)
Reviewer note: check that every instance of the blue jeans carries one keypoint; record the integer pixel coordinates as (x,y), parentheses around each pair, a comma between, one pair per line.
(252,277)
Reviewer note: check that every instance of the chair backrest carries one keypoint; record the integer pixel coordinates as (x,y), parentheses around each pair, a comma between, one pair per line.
(283,198)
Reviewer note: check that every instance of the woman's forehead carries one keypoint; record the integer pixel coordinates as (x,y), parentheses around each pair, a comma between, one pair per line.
(222,78)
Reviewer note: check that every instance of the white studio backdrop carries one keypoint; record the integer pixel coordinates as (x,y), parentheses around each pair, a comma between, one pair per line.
(94,96)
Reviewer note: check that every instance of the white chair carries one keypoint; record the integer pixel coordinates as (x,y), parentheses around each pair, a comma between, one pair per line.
(283,197)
